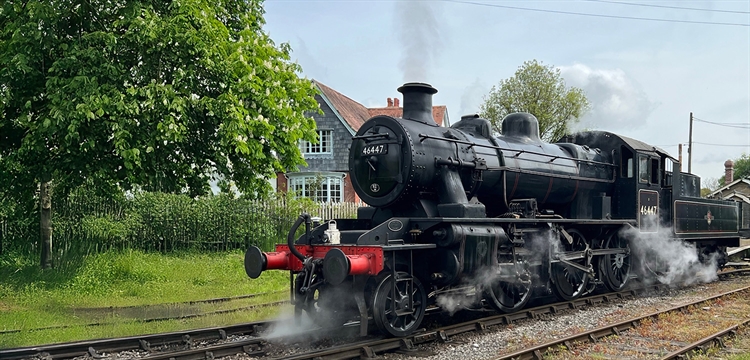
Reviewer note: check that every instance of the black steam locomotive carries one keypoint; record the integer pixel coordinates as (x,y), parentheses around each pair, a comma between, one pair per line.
(458,210)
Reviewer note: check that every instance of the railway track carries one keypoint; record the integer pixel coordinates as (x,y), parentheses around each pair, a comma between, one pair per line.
(94,348)
(154,319)
(253,344)
(617,329)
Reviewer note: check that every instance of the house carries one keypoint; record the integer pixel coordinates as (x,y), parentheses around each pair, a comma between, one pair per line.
(325,178)
(737,190)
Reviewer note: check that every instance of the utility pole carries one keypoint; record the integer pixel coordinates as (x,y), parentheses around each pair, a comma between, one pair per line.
(690,146)
(679,151)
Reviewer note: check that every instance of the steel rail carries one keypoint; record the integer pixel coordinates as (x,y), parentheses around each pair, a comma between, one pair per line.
(702,343)
(369,349)
(536,352)
(155,319)
(254,346)
(143,342)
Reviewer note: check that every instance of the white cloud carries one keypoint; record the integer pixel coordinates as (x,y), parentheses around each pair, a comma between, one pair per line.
(617,101)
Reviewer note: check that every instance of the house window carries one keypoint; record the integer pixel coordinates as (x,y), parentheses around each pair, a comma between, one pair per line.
(320,188)
(324,145)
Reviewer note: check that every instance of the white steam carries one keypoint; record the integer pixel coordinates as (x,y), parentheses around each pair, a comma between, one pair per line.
(655,257)
(471,291)
(469,294)
(617,101)
(286,326)
(419,34)
(668,260)
(472,97)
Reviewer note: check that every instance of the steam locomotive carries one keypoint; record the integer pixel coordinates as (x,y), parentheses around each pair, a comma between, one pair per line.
(460,211)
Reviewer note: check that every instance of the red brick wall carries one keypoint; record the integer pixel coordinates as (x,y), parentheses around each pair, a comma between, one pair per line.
(281,182)
(349,194)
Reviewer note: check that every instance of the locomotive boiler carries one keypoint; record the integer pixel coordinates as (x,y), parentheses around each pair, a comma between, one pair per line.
(460,210)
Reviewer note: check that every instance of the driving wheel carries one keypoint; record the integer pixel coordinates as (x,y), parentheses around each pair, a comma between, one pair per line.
(569,282)
(398,308)
(614,269)
(512,288)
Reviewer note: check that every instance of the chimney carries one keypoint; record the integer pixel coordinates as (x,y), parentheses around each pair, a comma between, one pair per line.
(418,102)
(390,102)
(396,102)
(728,172)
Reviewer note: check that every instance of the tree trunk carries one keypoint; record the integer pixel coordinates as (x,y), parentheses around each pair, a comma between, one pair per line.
(45,202)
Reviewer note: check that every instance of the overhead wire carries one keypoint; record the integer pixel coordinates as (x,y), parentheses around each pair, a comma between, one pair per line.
(702,143)
(594,15)
(725,124)
(725,145)
(731,125)
(466,2)
(670,7)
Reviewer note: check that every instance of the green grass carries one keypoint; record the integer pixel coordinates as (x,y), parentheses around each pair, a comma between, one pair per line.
(31,298)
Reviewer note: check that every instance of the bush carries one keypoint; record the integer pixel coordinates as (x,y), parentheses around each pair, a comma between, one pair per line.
(87,223)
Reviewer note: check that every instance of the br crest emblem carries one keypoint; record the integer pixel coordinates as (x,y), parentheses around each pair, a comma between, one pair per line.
(709,217)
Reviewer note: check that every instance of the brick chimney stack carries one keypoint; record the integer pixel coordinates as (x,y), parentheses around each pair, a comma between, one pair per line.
(390,102)
(395,102)
(728,172)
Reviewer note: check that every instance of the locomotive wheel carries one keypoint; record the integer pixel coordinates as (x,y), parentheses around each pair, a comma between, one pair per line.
(510,294)
(390,306)
(568,282)
(326,305)
(614,269)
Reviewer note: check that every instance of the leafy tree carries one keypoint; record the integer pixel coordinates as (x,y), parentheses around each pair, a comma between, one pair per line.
(537,89)
(154,94)
(741,168)
(709,185)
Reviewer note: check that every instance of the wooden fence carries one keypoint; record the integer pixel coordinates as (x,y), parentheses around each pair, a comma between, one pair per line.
(163,222)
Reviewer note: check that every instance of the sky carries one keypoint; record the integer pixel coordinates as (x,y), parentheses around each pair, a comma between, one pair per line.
(642,77)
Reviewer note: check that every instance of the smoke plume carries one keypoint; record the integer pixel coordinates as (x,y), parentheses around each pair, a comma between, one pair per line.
(420,38)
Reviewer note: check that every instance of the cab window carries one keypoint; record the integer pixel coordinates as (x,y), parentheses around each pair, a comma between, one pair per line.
(626,163)
(654,171)
(643,169)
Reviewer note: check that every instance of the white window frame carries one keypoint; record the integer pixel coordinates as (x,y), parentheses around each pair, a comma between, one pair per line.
(331,188)
(323,147)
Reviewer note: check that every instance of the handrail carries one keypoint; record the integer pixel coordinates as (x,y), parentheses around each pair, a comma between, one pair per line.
(519,152)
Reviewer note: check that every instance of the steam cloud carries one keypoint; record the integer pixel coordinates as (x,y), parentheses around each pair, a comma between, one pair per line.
(617,101)
(285,326)
(668,260)
(655,257)
(475,286)
(471,99)
(419,34)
